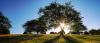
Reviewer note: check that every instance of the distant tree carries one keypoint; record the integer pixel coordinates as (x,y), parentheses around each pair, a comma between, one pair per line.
(75,32)
(86,33)
(55,13)
(4,24)
(93,32)
(98,31)
(53,32)
(25,32)
(43,32)
(34,25)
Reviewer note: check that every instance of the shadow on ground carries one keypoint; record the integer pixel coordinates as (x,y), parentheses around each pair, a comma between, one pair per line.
(52,40)
(17,39)
(71,40)
(68,39)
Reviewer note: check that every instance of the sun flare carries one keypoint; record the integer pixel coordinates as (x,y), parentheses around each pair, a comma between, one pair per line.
(66,29)
(62,25)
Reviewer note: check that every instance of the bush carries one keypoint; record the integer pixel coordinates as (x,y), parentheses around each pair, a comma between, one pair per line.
(4,31)
(53,32)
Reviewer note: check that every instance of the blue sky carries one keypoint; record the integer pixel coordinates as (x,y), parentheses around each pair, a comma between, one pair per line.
(20,11)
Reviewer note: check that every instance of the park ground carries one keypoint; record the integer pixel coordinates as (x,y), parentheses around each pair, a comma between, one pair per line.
(49,38)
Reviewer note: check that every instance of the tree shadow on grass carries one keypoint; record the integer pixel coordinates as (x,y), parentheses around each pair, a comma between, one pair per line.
(68,39)
(52,40)
(71,40)
(17,39)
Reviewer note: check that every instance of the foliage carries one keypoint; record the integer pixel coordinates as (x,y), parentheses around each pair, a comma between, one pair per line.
(55,13)
(77,27)
(95,32)
(34,25)
(53,32)
(4,24)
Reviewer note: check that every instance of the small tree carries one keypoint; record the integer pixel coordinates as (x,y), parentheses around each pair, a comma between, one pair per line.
(4,24)
(93,31)
(34,25)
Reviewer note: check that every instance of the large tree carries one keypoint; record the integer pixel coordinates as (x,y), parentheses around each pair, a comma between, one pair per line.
(55,14)
(34,26)
(4,24)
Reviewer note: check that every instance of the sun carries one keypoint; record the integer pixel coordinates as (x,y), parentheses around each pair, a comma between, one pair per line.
(62,25)
(65,27)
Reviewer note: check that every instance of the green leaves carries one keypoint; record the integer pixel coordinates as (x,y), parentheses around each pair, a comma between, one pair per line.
(55,13)
(4,24)
(78,27)
(35,25)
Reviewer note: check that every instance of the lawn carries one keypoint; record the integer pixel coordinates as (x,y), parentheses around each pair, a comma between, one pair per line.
(87,38)
(49,38)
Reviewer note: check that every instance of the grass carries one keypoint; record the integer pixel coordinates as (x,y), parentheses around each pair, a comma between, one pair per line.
(87,38)
(26,38)
(49,38)
(61,40)
(41,39)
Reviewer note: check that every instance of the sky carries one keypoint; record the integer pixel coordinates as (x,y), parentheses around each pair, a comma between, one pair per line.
(20,11)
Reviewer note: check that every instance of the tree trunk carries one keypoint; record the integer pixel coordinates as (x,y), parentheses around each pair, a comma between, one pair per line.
(62,32)
(37,33)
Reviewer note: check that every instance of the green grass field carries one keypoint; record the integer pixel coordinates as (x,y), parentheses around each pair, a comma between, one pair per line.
(50,38)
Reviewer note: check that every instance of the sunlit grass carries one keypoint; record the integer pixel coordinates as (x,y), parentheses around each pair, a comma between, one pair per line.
(41,39)
(29,38)
(87,38)
(61,40)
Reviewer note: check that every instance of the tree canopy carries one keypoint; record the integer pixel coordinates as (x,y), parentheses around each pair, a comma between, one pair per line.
(77,27)
(4,24)
(94,32)
(56,13)
(53,15)
(35,25)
